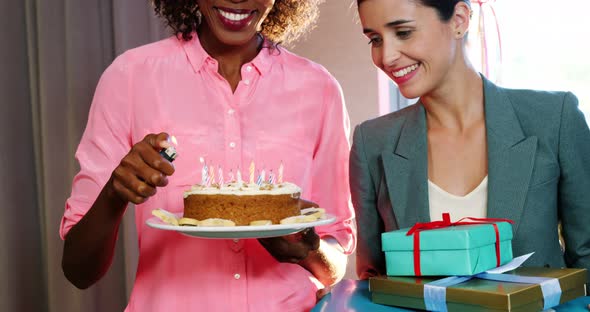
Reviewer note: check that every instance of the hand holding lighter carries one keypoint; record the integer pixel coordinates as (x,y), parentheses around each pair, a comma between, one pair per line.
(169,153)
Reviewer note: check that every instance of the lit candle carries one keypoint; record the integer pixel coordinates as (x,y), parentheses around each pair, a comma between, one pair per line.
(231,176)
(220,177)
(204,173)
(211,176)
(261,177)
(280,178)
(239,174)
(252,167)
(271,177)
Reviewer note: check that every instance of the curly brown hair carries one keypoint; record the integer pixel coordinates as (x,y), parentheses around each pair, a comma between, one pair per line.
(287,21)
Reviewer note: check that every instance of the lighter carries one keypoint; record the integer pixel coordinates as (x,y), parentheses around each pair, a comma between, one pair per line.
(169,153)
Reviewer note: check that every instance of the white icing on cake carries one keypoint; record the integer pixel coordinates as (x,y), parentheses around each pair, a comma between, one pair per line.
(244,189)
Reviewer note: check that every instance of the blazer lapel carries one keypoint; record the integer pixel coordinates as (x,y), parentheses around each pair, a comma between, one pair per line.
(510,163)
(510,157)
(405,170)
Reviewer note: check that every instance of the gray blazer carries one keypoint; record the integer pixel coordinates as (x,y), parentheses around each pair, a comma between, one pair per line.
(538,175)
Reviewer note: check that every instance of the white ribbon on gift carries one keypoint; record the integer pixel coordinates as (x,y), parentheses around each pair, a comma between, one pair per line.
(435,292)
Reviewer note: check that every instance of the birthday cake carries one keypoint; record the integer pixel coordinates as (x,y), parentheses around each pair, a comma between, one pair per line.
(243,203)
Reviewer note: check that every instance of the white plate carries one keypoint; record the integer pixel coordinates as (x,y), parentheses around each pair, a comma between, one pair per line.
(249,231)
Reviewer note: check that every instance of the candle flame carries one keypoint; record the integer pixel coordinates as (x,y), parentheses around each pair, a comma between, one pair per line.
(173,140)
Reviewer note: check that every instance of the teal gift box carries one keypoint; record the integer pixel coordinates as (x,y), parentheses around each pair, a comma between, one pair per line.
(452,250)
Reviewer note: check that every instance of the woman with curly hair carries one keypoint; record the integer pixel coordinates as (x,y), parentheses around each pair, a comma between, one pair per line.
(231,94)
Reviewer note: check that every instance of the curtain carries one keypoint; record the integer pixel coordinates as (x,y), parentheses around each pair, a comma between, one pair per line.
(53,53)
(484,44)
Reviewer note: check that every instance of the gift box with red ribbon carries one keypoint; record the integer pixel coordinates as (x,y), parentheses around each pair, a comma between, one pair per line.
(444,248)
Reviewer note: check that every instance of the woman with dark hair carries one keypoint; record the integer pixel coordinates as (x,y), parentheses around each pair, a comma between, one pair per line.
(467,147)
(231,94)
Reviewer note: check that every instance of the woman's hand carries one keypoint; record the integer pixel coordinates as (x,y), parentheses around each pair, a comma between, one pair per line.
(90,245)
(322,259)
(292,248)
(142,170)
(326,262)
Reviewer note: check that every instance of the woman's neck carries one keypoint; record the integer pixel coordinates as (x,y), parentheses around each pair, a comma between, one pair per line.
(458,103)
(229,57)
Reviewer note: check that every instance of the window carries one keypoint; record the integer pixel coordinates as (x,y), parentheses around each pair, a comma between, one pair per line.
(545,46)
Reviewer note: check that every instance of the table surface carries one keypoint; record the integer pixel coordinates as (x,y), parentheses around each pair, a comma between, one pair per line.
(353,296)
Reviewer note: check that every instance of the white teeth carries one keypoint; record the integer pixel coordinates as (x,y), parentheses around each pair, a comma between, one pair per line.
(405,71)
(233,16)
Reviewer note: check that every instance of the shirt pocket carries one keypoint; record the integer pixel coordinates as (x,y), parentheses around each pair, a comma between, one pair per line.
(294,153)
(192,149)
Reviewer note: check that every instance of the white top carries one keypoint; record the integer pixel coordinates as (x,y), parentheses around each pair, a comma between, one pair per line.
(473,204)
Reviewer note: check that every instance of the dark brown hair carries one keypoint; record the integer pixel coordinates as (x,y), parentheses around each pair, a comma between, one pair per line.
(445,8)
(287,21)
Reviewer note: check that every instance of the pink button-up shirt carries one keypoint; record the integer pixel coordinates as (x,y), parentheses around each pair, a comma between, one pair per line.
(286,109)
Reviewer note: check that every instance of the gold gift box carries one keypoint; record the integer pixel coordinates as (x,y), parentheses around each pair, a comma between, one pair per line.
(478,294)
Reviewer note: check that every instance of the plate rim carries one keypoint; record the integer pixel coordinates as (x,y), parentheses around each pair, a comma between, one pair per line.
(325,220)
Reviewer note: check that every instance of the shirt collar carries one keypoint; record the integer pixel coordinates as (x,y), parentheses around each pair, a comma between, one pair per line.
(198,57)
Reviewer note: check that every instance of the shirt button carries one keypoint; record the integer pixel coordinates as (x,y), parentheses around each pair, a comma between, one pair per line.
(249,68)
(231,111)
(246,82)
(232,144)
(237,276)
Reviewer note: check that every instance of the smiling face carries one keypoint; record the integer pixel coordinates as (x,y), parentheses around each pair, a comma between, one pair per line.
(411,44)
(234,22)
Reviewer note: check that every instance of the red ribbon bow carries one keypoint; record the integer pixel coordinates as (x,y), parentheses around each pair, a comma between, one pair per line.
(446,222)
